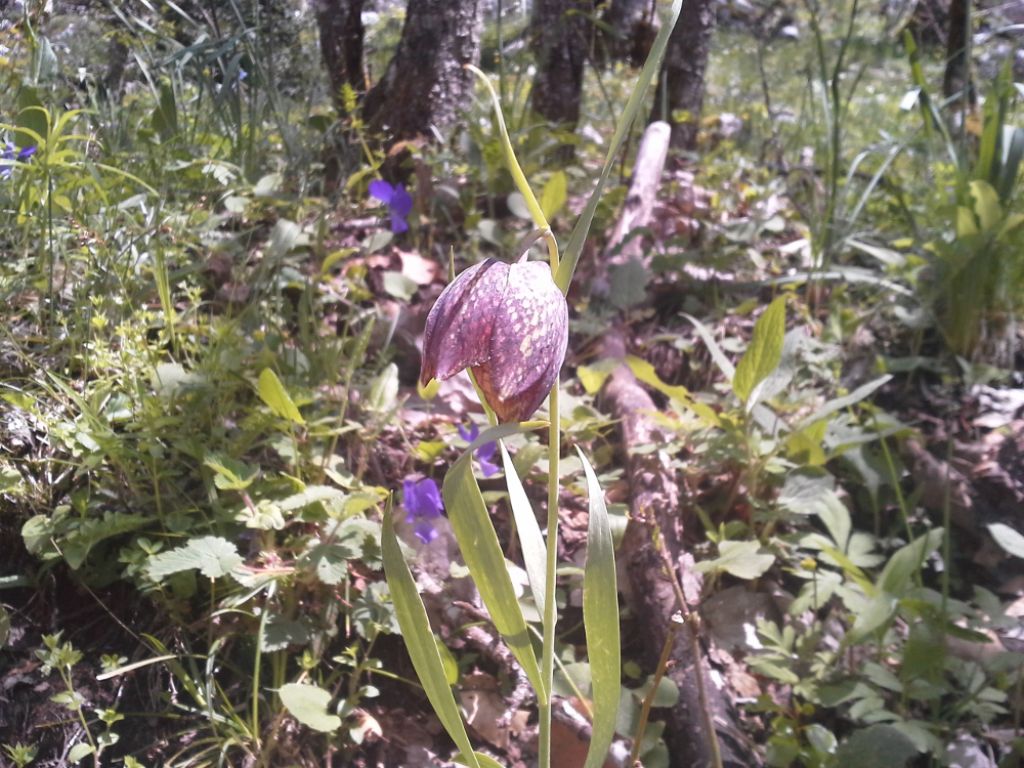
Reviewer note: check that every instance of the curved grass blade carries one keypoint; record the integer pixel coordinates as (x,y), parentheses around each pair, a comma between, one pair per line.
(419,640)
(530,538)
(480,549)
(571,255)
(601,621)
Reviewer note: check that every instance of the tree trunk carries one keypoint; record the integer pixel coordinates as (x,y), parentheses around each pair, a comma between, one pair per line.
(957,80)
(341,45)
(630,29)
(426,82)
(681,82)
(560,40)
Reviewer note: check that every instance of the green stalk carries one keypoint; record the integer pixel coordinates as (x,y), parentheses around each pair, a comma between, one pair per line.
(547,661)
(547,658)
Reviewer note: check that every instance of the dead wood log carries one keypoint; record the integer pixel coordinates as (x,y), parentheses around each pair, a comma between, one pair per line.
(654,534)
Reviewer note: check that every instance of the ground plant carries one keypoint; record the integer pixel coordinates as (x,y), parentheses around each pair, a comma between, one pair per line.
(485,444)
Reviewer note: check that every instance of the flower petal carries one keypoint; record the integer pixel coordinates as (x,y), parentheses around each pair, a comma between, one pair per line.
(528,343)
(458,330)
(381,190)
(401,201)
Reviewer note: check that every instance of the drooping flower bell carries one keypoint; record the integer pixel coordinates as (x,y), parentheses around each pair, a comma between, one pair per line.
(509,324)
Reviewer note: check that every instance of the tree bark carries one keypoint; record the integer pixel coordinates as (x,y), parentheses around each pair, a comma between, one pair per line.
(631,26)
(341,46)
(560,40)
(957,80)
(680,95)
(426,82)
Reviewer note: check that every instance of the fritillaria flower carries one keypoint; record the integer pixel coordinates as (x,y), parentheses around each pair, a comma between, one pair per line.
(509,324)
(397,200)
(422,501)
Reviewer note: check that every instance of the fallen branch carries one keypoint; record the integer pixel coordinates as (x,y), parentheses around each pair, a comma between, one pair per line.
(700,730)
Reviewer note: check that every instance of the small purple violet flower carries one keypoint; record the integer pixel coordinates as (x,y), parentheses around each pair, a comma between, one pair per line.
(9,155)
(422,501)
(397,200)
(485,453)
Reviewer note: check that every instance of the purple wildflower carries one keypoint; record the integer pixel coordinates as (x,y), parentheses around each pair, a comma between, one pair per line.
(485,453)
(12,154)
(422,501)
(397,200)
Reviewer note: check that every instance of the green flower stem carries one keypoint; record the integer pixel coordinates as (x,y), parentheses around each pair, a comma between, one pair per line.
(547,663)
(547,659)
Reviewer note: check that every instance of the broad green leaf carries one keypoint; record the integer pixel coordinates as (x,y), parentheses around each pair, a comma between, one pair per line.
(742,559)
(636,102)
(554,194)
(878,746)
(986,205)
(276,397)
(898,573)
(966,224)
(601,621)
(212,555)
(419,640)
(283,237)
(1007,538)
(592,377)
(79,752)
(479,545)
(531,541)
(764,353)
(308,704)
(875,613)
(384,389)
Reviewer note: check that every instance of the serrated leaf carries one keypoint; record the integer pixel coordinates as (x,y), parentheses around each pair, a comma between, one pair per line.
(601,621)
(1007,538)
(531,541)
(276,397)
(213,556)
(308,704)
(420,641)
(764,353)
(554,194)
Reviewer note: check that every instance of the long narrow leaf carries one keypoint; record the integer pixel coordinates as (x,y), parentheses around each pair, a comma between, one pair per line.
(419,640)
(601,621)
(571,256)
(530,538)
(480,549)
